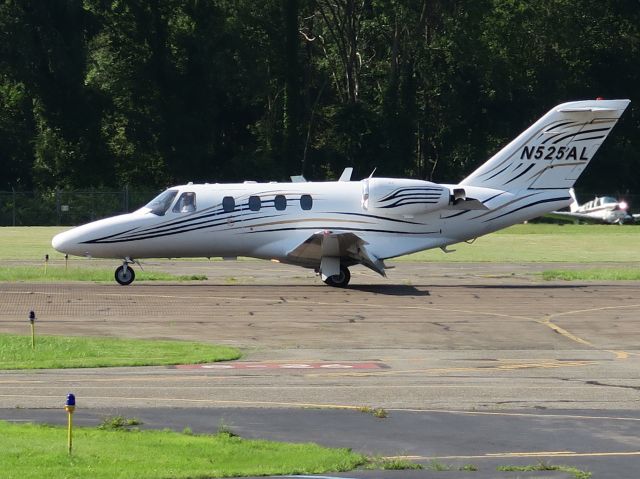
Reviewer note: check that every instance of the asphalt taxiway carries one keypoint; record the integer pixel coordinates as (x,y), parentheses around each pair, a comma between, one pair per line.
(484,341)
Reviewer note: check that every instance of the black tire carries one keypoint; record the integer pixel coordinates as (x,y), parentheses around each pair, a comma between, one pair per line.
(339,280)
(125,279)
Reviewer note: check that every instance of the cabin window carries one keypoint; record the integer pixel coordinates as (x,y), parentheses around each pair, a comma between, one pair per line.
(254,203)
(186,203)
(281,202)
(306,202)
(161,203)
(228,204)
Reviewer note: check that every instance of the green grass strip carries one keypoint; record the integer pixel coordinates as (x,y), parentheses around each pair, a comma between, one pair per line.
(543,466)
(54,352)
(33,451)
(60,273)
(593,275)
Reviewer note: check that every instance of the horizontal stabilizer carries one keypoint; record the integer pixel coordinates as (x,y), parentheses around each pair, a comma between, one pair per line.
(467,204)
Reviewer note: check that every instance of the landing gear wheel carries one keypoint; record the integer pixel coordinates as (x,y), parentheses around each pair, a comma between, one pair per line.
(339,280)
(124,276)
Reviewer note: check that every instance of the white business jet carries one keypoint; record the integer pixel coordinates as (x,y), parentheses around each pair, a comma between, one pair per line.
(601,209)
(330,226)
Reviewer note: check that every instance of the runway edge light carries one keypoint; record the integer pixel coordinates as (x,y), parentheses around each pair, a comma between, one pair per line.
(70,407)
(32,320)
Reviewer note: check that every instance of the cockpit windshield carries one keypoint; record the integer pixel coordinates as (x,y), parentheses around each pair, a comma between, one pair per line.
(161,203)
(608,200)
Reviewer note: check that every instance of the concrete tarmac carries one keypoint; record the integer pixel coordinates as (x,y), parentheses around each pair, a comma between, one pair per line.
(449,338)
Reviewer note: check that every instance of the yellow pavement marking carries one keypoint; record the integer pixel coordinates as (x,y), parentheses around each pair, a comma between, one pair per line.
(196,401)
(547,322)
(516,414)
(592,310)
(506,455)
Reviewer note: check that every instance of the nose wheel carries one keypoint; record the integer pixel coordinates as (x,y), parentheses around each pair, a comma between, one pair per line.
(125,274)
(339,280)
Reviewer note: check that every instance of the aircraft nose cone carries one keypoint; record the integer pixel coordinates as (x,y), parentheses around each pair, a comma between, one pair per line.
(62,242)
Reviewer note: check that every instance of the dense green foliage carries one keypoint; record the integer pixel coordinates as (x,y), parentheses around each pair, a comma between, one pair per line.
(149,93)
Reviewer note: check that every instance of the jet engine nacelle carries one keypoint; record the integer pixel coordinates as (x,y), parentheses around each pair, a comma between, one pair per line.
(406,197)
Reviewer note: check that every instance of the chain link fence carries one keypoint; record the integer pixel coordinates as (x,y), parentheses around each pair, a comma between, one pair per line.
(68,208)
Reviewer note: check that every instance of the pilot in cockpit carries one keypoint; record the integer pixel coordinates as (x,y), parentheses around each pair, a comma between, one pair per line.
(186,203)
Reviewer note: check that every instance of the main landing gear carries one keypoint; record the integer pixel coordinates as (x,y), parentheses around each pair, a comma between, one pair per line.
(339,280)
(125,274)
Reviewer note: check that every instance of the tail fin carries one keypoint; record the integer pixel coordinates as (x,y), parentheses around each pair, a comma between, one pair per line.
(573,207)
(554,151)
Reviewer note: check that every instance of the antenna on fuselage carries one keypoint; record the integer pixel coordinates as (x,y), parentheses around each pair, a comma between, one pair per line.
(374,170)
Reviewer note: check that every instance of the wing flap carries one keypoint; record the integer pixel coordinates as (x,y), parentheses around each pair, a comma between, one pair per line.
(329,244)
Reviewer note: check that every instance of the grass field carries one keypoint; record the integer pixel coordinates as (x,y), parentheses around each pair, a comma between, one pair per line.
(596,274)
(546,243)
(82,352)
(519,243)
(32,451)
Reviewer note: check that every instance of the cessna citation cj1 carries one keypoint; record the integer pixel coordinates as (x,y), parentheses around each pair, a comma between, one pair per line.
(330,226)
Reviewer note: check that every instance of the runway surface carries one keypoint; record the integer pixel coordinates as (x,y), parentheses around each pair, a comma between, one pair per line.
(450,338)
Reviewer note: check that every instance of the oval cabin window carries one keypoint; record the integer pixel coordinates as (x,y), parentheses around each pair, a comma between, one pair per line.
(228,204)
(306,202)
(254,203)
(281,202)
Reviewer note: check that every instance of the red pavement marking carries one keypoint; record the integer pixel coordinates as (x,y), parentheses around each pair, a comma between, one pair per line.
(247,365)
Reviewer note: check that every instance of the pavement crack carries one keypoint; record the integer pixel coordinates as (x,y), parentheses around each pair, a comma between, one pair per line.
(623,386)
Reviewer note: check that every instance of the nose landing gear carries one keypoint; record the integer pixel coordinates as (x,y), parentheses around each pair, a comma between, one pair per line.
(125,274)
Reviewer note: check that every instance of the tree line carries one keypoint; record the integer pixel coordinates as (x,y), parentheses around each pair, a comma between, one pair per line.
(149,93)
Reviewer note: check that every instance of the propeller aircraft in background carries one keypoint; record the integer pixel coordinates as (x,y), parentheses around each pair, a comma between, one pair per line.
(331,226)
(602,209)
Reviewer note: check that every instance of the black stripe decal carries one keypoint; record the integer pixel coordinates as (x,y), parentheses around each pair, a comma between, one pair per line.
(584,132)
(523,173)
(590,138)
(457,214)
(408,202)
(550,200)
(418,189)
(501,171)
(170,233)
(556,135)
(342,228)
(375,216)
(492,198)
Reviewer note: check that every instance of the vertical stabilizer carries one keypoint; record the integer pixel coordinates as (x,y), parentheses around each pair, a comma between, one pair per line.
(573,207)
(554,151)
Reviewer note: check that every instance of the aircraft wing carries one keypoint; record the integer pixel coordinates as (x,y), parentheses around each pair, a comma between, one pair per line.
(336,245)
(572,216)
(575,216)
